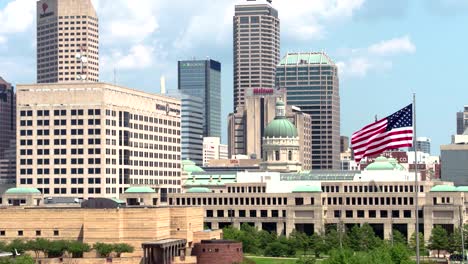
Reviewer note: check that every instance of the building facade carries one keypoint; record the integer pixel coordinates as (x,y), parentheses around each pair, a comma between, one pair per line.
(95,140)
(202,78)
(453,157)
(311,82)
(382,195)
(423,144)
(193,120)
(460,123)
(66,28)
(256,28)
(246,127)
(8,134)
(213,150)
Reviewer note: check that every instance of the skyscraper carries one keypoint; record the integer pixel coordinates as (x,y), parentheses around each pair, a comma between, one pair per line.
(311,83)
(462,121)
(256,47)
(202,78)
(66,28)
(192,121)
(7,133)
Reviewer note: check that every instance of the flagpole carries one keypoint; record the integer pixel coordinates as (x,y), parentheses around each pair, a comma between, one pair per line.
(416,185)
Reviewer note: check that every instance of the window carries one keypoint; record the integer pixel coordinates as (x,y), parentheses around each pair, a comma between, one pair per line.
(2,232)
(209,213)
(38,232)
(290,155)
(337,213)
(349,214)
(395,214)
(56,232)
(372,214)
(299,201)
(20,232)
(383,213)
(360,213)
(220,213)
(407,213)
(263,213)
(277,155)
(253,213)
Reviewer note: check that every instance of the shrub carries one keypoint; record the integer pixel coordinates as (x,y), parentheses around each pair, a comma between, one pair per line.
(103,249)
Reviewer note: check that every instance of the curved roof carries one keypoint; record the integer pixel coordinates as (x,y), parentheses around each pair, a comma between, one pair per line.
(444,188)
(381,163)
(190,166)
(23,190)
(307,188)
(198,190)
(462,188)
(280,128)
(142,189)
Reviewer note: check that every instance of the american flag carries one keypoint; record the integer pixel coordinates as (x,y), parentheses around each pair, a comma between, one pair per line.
(392,132)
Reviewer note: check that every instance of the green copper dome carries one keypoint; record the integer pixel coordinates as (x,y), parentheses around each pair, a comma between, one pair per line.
(190,166)
(462,188)
(142,189)
(307,188)
(280,128)
(23,190)
(198,190)
(444,188)
(380,163)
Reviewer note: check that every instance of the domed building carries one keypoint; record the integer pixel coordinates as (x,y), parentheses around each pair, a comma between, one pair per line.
(280,144)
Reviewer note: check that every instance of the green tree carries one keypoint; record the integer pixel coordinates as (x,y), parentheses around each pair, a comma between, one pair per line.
(290,245)
(122,248)
(300,240)
(38,245)
(265,238)
(306,260)
(317,244)
(422,245)
(248,237)
(77,249)
(332,240)
(276,249)
(398,237)
(439,239)
(399,253)
(16,245)
(363,238)
(104,250)
(57,248)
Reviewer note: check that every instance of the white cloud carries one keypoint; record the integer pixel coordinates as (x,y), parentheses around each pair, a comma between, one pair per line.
(375,58)
(138,57)
(393,46)
(17,16)
(3,40)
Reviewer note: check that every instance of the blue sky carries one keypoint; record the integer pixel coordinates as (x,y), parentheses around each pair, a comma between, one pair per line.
(386,50)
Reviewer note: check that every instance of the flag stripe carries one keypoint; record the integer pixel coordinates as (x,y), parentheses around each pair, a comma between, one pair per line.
(378,137)
(394,131)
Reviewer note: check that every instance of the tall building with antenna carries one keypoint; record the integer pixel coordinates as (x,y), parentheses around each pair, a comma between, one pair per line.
(256,47)
(67,41)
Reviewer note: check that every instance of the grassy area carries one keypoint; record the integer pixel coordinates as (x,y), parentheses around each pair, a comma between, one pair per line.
(268,260)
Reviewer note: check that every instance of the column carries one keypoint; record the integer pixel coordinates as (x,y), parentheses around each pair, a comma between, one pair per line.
(411,229)
(279,228)
(388,231)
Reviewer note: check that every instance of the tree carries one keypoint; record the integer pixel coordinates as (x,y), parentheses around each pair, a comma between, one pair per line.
(306,260)
(422,245)
(398,237)
(104,250)
(57,248)
(77,249)
(276,249)
(439,239)
(300,240)
(38,245)
(248,237)
(16,245)
(122,248)
(317,244)
(265,238)
(332,240)
(363,238)
(399,253)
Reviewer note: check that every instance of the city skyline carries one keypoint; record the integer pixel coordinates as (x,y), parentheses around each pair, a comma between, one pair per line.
(376,44)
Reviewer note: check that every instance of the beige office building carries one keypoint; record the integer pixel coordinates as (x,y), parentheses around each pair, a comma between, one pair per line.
(246,126)
(256,28)
(95,140)
(64,29)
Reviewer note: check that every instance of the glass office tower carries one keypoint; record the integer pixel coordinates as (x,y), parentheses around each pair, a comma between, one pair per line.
(202,78)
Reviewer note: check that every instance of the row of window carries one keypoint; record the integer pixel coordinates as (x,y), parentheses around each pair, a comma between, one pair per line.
(20,233)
